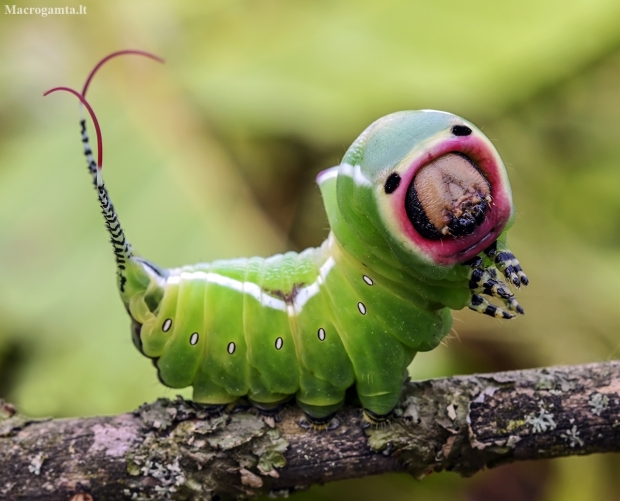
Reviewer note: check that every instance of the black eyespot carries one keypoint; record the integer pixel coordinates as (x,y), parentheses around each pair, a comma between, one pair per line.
(461,130)
(392,182)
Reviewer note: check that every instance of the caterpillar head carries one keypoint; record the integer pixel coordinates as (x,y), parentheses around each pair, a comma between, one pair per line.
(431,186)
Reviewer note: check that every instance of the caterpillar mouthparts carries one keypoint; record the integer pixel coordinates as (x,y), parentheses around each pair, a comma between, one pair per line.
(448,197)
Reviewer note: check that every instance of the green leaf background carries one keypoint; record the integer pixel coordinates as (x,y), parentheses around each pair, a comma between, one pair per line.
(214,154)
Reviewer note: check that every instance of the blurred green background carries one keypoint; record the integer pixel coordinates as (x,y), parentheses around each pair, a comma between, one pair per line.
(214,155)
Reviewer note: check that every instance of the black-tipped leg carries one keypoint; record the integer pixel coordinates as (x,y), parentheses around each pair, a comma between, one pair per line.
(373,419)
(484,276)
(508,264)
(483,281)
(326,423)
(212,410)
(271,411)
(240,405)
(481,305)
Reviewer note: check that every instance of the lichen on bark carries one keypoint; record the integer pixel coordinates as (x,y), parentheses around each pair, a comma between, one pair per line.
(179,450)
(189,451)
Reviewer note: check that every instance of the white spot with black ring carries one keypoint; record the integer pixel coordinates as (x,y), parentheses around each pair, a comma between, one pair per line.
(362,308)
(231,348)
(167,325)
(279,343)
(193,339)
(368,280)
(321,334)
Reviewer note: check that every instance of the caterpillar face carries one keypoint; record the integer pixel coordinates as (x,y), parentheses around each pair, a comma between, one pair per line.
(439,194)
(447,196)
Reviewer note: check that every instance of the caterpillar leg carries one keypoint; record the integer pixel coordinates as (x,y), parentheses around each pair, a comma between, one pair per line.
(484,281)
(481,305)
(269,409)
(508,264)
(320,416)
(372,418)
(320,399)
(378,408)
(214,409)
(326,423)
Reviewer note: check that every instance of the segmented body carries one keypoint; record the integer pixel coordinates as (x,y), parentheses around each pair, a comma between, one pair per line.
(309,325)
(403,250)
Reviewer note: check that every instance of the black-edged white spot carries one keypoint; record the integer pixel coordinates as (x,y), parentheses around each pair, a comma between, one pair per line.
(368,280)
(279,343)
(167,325)
(362,307)
(321,334)
(193,339)
(231,348)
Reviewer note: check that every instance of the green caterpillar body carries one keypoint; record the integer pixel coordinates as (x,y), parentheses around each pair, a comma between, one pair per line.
(309,324)
(418,209)
(315,323)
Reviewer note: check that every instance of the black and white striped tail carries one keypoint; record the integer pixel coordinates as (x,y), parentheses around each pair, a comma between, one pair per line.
(122,248)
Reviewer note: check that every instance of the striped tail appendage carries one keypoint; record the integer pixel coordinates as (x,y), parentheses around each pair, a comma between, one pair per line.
(122,249)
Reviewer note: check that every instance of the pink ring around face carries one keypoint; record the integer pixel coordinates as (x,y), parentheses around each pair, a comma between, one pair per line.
(451,250)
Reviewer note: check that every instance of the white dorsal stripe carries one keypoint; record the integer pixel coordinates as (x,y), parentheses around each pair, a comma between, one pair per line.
(303,295)
(354,172)
(327,174)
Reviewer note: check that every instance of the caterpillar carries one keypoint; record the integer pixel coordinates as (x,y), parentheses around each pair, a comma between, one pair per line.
(419,209)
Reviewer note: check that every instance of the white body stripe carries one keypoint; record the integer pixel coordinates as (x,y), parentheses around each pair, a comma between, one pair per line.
(327,174)
(355,172)
(255,290)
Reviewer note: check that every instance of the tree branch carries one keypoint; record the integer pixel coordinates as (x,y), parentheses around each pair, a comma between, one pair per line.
(181,450)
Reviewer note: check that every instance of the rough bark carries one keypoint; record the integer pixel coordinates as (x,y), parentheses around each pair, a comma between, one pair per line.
(180,450)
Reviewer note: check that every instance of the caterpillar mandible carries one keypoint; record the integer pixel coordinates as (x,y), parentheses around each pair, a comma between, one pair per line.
(419,208)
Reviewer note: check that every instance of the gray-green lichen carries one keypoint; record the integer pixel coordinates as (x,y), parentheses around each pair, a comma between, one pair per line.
(598,403)
(180,450)
(413,438)
(35,463)
(554,382)
(542,422)
(572,437)
(193,452)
